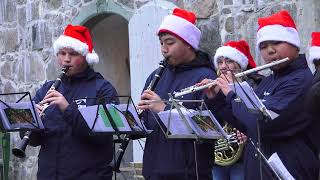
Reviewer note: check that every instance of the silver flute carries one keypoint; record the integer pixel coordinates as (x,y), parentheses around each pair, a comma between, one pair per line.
(195,88)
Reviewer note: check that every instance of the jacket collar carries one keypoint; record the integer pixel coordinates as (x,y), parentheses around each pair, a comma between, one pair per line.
(202,60)
(299,63)
(86,75)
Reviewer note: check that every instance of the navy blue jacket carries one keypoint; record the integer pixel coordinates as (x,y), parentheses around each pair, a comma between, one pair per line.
(312,105)
(174,159)
(68,151)
(281,93)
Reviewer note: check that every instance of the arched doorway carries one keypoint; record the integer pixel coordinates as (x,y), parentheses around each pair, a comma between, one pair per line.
(110,38)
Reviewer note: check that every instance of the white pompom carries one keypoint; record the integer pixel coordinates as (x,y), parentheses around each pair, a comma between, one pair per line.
(92,58)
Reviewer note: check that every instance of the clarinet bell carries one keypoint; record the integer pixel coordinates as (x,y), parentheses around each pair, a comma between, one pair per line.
(20,150)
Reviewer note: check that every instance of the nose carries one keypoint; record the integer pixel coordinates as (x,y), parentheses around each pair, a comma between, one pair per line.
(223,65)
(270,49)
(164,49)
(67,57)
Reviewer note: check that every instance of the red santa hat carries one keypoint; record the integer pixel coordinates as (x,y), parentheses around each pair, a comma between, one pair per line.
(237,51)
(278,27)
(314,51)
(182,25)
(78,38)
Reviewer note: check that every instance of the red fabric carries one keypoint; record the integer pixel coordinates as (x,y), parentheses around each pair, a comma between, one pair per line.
(244,48)
(81,33)
(281,18)
(187,15)
(315,39)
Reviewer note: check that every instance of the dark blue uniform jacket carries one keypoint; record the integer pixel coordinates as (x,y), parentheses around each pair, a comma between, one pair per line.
(282,93)
(67,150)
(174,159)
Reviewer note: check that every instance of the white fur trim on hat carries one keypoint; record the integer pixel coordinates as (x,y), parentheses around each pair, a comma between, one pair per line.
(314,53)
(82,48)
(182,28)
(231,53)
(278,33)
(69,42)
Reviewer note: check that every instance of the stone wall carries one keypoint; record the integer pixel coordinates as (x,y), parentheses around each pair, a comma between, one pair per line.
(28,28)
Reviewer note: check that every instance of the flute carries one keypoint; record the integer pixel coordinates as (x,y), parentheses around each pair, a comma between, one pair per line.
(194,88)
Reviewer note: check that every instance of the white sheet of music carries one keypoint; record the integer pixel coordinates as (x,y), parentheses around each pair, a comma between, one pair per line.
(249,97)
(203,124)
(276,163)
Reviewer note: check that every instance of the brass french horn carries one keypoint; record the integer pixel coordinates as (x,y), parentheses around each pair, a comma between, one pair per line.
(228,151)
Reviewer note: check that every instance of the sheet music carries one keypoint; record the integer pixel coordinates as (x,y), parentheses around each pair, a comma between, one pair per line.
(276,163)
(252,102)
(202,123)
(177,126)
(21,116)
(103,123)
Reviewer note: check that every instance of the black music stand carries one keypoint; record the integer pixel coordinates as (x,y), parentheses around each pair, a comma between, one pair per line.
(183,123)
(113,118)
(198,125)
(121,120)
(20,115)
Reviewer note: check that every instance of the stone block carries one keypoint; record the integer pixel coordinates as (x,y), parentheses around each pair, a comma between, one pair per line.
(32,11)
(22,16)
(10,13)
(74,2)
(8,41)
(35,68)
(226,11)
(9,87)
(21,2)
(228,2)
(229,26)
(52,69)
(38,36)
(128,3)
(53,4)
(210,39)
(6,70)
(86,1)
(2,11)
(203,9)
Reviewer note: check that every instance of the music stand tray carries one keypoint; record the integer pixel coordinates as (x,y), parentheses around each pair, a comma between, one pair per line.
(114,119)
(183,123)
(19,115)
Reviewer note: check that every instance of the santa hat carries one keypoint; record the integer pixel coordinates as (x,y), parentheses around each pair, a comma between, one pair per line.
(314,51)
(278,27)
(78,38)
(182,25)
(237,51)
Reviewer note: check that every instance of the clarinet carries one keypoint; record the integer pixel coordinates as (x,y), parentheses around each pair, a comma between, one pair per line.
(19,150)
(125,142)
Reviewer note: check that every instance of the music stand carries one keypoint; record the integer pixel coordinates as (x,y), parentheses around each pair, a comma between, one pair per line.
(19,116)
(121,120)
(194,125)
(113,118)
(183,123)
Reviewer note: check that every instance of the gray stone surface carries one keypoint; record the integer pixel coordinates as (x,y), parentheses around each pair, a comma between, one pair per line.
(53,4)
(203,9)
(210,39)
(10,13)
(38,36)
(8,41)
(22,16)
